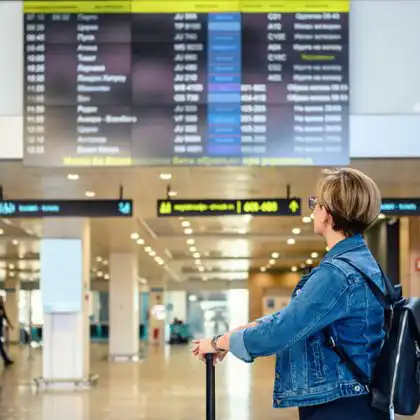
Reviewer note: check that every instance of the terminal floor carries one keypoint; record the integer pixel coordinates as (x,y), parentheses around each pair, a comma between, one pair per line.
(168,383)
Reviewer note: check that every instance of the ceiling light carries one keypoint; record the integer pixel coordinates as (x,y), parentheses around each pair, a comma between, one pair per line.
(186,223)
(15,242)
(263,269)
(275,254)
(172,193)
(106,276)
(201,269)
(11,267)
(306,219)
(190,242)
(105,262)
(196,255)
(73,177)
(188,231)
(134,236)
(309,261)
(152,253)
(157,259)
(314,255)
(291,241)
(381,216)
(12,274)
(165,176)
(303,265)
(197,262)
(271,262)
(193,249)
(242,231)
(294,268)
(99,259)
(1,231)
(99,274)
(90,194)
(296,231)
(140,241)
(161,262)
(147,248)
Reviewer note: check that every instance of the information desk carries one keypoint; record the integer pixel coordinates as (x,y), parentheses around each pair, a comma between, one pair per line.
(176,82)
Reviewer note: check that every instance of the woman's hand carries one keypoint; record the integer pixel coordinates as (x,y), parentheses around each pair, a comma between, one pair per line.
(203,347)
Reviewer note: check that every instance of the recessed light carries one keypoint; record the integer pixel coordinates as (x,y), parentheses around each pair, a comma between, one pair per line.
(106,276)
(263,269)
(188,231)
(275,254)
(201,269)
(99,273)
(157,259)
(381,216)
(90,194)
(314,255)
(306,219)
(271,262)
(165,176)
(11,267)
(152,253)
(242,231)
(294,268)
(309,261)
(291,241)
(198,262)
(172,193)
(186,223)
(140,241)
(99,259)
(193,249)
(196,255)
(12,274)
(190,242)
(147,249)
(161,262)
(73,177)
(134,236)
(1,231)
(15,242)
(296,231)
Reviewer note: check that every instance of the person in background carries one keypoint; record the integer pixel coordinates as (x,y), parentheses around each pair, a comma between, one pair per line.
(3,318)
(332,301)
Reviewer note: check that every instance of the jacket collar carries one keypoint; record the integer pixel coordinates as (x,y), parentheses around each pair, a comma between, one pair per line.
(345,245)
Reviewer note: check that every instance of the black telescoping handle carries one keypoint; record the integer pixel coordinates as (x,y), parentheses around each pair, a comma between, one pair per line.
(210,388)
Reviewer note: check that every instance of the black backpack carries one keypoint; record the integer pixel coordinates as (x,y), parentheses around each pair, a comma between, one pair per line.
(395,385)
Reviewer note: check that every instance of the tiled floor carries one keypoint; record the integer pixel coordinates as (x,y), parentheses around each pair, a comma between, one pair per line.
(169,384)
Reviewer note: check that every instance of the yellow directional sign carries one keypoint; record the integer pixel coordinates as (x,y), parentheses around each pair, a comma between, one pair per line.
(294,206)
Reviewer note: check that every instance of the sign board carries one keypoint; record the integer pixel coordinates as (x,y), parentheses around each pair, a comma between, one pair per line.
(401,206)
(240,207)
(65,208)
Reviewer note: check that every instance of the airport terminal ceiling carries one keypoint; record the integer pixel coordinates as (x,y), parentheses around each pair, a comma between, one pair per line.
(216,248)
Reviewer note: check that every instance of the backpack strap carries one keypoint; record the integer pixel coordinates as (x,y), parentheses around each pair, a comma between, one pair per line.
(386,300)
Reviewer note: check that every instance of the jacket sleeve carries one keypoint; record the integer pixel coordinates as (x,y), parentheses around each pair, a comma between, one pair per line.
(322,300)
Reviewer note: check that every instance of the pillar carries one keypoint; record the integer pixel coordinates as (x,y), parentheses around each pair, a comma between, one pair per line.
(124,317)
(409,255)
(12,288)
(65,284)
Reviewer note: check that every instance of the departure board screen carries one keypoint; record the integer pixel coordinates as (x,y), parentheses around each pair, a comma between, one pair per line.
(181,82)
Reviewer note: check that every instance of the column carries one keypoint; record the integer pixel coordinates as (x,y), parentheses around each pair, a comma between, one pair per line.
(410,255)
(124,317)
(12,288)
(65,284)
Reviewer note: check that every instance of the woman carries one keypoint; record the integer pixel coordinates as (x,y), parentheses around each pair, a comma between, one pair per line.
(3,317)
(308,373)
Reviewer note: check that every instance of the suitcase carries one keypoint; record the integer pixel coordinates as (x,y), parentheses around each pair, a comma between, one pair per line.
(210,389)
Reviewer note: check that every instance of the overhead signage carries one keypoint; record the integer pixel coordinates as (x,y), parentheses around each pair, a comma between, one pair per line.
(254,207)
(400,206)
(65,208)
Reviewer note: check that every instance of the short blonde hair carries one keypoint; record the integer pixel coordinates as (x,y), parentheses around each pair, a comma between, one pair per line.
(351,197)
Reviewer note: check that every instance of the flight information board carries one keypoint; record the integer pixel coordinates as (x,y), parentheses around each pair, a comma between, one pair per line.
(181,82)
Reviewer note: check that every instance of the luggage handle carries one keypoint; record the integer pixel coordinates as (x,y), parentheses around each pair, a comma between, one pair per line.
(210,388)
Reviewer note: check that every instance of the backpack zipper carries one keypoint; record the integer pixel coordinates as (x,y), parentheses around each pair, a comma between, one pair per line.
(397,362)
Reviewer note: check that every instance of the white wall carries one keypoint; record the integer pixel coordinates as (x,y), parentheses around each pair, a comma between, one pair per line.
(384,78)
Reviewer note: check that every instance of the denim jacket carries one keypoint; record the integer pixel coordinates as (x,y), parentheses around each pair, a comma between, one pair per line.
(334,294)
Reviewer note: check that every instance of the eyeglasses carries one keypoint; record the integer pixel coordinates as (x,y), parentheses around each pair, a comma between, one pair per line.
(313,201)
